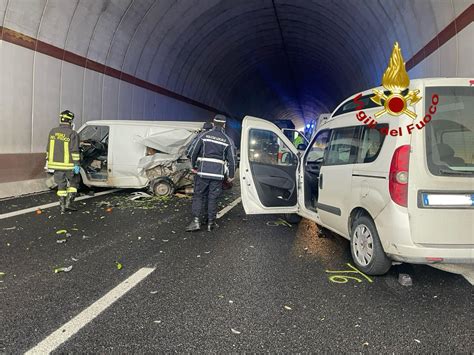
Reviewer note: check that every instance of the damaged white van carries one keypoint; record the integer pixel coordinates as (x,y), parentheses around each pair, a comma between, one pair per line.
(137,154)
(400,188)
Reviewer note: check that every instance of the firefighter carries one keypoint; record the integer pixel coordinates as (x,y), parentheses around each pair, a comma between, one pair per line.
(62,155)
(210,154)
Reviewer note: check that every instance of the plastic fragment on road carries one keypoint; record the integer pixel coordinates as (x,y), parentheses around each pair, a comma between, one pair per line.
(231,302)
(61,231)
(74,259)
(235,331)
(84,237)
(153,292)
(207,252)
(157,321)
(139,195)
(416,340)
(165,240)
(9,228)
(61,241)
(405,280)
(62,269)
(109,209)
(365,344)
(118,265)
(278,222)
(288,308)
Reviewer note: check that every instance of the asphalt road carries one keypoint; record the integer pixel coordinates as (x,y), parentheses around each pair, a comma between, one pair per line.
(253,285)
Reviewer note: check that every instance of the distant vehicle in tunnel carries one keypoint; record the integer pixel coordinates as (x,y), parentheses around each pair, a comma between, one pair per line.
(400,189)
(137,154)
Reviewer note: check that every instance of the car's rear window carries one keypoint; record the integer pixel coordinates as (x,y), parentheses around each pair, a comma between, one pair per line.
(450,134)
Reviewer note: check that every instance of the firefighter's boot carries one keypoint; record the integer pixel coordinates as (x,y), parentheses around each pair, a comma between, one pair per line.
(212,225)
(62,203)
(70,202)
(195,225)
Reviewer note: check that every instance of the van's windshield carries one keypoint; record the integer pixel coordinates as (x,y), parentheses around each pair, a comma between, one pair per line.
(450,134)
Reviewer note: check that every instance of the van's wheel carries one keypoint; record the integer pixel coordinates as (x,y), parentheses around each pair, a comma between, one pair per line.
(366,249)
(162,188)
(292,218)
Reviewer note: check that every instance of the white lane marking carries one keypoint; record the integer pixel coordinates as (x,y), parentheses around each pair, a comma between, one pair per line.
(222,212)
(58,337)
(53,204)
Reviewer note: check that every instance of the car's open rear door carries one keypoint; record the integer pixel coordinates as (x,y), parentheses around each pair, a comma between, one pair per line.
(268,169)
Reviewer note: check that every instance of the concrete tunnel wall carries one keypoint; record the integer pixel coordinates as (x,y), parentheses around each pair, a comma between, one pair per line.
(187,60)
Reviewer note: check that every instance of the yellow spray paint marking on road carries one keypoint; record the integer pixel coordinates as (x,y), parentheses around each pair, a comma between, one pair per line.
(342,279)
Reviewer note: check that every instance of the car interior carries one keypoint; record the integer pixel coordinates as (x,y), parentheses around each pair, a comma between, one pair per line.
(94,149)
(273,168)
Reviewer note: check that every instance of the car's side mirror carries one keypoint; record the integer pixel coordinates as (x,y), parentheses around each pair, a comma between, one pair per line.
(302,147)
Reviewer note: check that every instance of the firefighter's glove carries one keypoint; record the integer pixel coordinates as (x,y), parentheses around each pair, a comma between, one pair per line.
(77,169)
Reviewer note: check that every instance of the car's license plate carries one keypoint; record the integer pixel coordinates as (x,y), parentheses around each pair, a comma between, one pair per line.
(448,200)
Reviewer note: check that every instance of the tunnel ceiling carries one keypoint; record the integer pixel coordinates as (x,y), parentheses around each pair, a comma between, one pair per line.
(270,58)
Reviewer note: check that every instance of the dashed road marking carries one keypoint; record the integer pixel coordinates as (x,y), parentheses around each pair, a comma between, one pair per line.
(53,204)
(222,212)
(58,337)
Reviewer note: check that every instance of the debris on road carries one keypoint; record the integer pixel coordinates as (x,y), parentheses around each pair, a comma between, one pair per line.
(38,211)
(278,222)
(84,237)
(288,308)
(9,228)
(118,265)
(165,240)
(62,269)
(157,321)
(153,292)
(139,195)
(74,259)
(61,231)
(61,241)
(405,280)
(109,209)
(419,342)
(235,331)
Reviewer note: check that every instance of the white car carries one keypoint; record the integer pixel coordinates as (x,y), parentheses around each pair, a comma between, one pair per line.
(400,189)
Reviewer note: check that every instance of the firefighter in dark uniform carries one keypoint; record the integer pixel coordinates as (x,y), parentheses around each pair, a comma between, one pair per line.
(62,154)
(212,151)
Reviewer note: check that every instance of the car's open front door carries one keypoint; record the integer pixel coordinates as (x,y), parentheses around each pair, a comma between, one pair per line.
(268,169)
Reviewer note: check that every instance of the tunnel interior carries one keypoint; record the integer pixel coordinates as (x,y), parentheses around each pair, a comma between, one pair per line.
(187,60)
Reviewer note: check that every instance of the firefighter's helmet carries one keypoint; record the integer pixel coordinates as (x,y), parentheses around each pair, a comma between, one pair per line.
(66,116)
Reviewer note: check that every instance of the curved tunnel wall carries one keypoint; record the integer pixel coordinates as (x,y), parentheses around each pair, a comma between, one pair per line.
(186,60)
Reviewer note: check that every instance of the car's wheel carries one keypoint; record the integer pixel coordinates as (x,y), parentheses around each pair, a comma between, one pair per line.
(162,188)
(366,249)
(292,218)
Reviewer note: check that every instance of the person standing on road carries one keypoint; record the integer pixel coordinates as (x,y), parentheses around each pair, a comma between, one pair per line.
(62,156)
(212,151)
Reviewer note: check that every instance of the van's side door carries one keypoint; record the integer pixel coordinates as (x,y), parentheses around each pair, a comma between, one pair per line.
(268,169)
(335,179)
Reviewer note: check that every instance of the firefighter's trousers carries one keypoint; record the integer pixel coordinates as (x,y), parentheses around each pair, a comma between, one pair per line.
(67,182)
(206,189)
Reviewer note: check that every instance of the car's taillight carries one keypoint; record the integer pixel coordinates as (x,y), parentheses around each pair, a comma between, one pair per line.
(398,178)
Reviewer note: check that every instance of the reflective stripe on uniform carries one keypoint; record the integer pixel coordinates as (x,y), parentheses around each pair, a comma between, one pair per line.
(216,142)
(60,166)
(75,156)
(71,190)
(51,151)
(212,160)
(62,193)
(66,152)
(209,174)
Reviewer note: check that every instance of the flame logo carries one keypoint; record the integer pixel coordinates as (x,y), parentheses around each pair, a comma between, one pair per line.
(396,77)
(395,80)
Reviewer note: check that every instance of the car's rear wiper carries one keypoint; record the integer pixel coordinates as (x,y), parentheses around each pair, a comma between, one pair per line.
(456,172)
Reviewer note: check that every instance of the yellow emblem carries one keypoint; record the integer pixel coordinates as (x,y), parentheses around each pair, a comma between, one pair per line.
(396,81)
